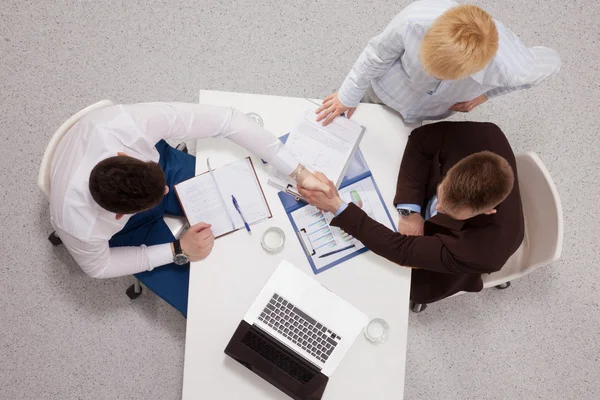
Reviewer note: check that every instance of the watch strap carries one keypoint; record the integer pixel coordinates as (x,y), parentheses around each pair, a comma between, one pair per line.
(177,247)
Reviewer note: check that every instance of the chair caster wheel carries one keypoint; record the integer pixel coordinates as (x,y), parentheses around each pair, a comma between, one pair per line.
(54,239)
(417,308)
(503,286)
(132,294)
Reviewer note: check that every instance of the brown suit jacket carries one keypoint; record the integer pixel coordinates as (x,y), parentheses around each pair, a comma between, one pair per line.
(452,255)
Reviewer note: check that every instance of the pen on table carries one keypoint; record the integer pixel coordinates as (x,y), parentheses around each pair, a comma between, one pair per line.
(237,207)
(337,251)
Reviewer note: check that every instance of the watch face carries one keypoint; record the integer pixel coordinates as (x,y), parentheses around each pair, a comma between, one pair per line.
(180,259)
(404,213)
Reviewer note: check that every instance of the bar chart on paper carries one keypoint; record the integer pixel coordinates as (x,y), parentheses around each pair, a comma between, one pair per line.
(326,245)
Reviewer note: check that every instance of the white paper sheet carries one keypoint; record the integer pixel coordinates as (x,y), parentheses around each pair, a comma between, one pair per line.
(326,149)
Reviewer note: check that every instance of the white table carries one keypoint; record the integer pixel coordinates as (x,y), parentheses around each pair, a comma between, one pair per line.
(223,286)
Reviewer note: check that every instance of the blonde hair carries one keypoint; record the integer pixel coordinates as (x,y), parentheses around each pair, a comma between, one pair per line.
(460,42)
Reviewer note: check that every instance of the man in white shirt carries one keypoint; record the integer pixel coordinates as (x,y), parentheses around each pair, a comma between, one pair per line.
(437,57)
(112,181)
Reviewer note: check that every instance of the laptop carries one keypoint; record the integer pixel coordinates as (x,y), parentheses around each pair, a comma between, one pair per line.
(296,333)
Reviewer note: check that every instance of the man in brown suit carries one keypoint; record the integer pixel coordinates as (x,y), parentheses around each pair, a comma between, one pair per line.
(461,215)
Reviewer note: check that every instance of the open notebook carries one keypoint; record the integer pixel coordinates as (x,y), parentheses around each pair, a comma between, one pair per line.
(207,197)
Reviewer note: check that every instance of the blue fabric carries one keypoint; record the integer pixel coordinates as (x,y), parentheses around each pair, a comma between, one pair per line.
(341,209)
(430,211)
(170,282)
(410,207)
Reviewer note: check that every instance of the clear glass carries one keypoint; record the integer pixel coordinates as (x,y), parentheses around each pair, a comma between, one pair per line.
(273,239)
(377,331)
(256,118)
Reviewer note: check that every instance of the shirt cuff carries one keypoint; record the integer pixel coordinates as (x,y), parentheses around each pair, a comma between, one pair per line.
(158,255)
(341,209)
(284,161)
(411,207)
(349,94)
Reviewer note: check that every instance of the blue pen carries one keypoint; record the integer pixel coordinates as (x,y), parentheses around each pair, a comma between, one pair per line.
(237,207)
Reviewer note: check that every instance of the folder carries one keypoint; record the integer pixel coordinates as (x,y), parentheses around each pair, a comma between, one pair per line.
(326,246)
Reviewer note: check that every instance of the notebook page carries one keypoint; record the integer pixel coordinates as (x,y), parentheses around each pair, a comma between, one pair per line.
(202,203)
(325,149)
(238,179)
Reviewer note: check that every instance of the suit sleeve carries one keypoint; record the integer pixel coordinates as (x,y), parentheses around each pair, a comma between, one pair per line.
(425,252)
(423,144)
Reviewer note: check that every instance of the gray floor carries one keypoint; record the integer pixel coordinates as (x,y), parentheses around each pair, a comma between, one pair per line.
(64,336)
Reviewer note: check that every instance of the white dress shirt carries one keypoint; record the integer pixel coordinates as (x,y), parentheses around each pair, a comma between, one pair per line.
(390,63)
(83,225)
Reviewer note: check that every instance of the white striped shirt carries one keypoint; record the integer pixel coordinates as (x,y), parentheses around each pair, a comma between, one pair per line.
(390,63)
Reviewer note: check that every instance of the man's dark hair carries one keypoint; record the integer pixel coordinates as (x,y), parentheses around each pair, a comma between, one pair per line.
(480,181)
(126,185)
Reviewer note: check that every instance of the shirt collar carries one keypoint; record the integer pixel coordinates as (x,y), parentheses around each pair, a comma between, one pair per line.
(478,76)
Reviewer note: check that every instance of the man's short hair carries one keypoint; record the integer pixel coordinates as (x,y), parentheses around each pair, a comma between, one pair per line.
(460,42)
(480,182)
(126,185)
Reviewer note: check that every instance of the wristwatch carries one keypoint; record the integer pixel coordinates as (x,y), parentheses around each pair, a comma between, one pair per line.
(179,257)
(404,212)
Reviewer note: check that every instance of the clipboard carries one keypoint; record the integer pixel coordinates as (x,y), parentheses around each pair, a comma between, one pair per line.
(292,206)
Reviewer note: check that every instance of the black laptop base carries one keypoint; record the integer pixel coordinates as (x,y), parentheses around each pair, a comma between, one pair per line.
(276,364)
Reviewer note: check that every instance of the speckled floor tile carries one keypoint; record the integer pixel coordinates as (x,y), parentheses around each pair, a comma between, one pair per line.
(64,336)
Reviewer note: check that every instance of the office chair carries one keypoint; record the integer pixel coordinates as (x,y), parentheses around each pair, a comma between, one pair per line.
(542,211)
(175,224)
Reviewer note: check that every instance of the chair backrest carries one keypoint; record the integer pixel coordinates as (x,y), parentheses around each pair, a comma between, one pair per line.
(45,167)
(543,214)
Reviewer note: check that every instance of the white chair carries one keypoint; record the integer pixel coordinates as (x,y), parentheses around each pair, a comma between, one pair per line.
(175,224)
(543,215)
(44,174)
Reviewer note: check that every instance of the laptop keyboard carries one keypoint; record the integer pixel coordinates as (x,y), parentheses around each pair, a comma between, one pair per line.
(299,328)
(277,357)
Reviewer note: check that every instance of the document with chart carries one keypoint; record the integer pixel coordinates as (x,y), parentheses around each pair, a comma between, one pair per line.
(326,246)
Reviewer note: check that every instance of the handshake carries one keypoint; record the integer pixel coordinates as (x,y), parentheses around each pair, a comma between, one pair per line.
(198,241)
(319,191)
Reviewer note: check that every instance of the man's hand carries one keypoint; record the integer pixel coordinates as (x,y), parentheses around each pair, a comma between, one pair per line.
(411,225)
(308,180)
(319,199)
(467,106)
(331,108)
(197,242)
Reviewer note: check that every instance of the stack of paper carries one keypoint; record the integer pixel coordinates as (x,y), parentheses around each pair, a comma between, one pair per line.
(327,149)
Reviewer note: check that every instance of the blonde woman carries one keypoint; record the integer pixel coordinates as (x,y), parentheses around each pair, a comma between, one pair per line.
(437,57)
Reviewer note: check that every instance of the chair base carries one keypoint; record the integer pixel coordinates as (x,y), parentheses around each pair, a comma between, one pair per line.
(134,291)
(503,286)
(54,239)
(417,308)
